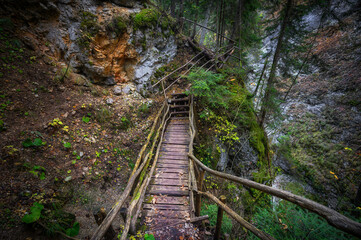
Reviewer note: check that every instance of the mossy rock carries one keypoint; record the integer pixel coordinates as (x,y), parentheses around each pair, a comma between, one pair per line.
(146,18)
(118,25)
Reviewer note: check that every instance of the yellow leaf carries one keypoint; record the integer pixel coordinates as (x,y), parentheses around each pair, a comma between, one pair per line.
(332,172)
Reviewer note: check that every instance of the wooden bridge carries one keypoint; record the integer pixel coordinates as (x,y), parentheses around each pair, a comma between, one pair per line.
(166,186)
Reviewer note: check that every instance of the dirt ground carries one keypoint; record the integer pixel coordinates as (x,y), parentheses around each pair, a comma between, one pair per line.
(62,145)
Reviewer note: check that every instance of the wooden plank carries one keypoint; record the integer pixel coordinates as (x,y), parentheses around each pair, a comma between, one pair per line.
(165,145)
(172,170)
(174,161)
(171,175)
(165,207)
(173,158)
(172,165)
(169,188)
(169,192)
(167,199)
(170,182)
(175,154)
(175,142)
(166,214)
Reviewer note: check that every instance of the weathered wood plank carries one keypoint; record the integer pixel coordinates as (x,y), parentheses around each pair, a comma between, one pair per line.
(174,161)
(167,199)
(172,165)
(166,213)
(172,175)
(170,182)
(166,207)
(169,193)
(171,170)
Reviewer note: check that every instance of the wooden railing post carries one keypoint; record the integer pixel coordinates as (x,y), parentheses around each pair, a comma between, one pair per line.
(198,196)
(217,234)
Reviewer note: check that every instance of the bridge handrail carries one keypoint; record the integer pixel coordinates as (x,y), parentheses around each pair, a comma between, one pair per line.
(333,217)
(140,167)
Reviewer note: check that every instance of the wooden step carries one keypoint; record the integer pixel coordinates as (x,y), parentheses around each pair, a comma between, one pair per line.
(179,118)
(166,207)
(171,175)
(166,214)
(167,200)
(182,112)
(169,182)
(180,172)
(173,100)
(179,95)
(179,106)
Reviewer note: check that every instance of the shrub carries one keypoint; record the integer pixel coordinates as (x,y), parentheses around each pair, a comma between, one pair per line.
(208,86)
(288,221)
(53,219)
(212,210)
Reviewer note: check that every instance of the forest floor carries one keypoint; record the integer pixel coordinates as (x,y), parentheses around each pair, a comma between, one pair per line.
(61,144)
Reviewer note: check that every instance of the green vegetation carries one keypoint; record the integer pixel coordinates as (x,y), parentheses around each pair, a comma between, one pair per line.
(118,25)
(211,210)
(37,142)
(67,145)
(54,220)
(226,106)
(146,18)
(313,154)
(89,27)
(287,221)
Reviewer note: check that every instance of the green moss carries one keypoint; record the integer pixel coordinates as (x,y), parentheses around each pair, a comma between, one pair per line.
(258,139)
(118,25)
(89,27)
(146,18)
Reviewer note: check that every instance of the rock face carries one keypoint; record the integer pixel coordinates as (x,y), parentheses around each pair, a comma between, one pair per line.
(97,38)
(155,52)
(319,141)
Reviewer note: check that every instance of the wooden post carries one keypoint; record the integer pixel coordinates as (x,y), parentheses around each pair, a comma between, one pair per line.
(217,234)
(198,196)
(99,218)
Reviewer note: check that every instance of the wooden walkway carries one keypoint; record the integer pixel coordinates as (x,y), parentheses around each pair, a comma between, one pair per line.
(166,207)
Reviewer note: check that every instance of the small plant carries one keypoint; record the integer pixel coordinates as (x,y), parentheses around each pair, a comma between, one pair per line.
(37,142)
(149,237)
(211,211)
(35,213)
(38,171)
(53,219)
(86,119)
(124,123)
(144,108)
(56,123)
(67,145)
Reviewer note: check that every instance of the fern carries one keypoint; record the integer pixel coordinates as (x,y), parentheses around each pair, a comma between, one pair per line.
(288,221)
(209,88)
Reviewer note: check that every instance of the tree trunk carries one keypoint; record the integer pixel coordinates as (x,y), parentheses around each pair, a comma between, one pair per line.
(260,77)
(358,196)
(205,23)
(267,99)
(180,15)
(195,21)
(172,8)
